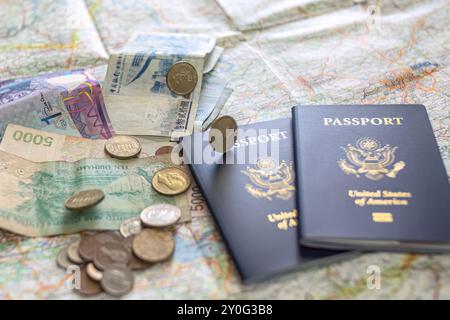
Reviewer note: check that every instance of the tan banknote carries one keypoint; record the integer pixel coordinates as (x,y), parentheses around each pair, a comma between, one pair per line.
(32,195)
(38,146)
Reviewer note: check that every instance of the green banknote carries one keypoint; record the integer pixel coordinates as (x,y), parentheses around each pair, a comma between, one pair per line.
(32,195)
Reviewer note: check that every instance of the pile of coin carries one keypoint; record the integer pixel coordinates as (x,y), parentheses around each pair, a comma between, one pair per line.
(106,260)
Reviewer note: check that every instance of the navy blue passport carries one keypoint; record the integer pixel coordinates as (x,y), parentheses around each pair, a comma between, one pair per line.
(370,177)
(254,203)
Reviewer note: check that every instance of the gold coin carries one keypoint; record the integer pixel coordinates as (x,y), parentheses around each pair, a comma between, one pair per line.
(223,134)
(153,245)
(182,78)
(171,181)
(123,147)
(84,199)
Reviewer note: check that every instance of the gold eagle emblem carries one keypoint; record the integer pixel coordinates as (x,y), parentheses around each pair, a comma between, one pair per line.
(370,160)
(269,179)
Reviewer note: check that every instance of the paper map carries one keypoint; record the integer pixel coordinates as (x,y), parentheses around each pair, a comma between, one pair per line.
(277,54)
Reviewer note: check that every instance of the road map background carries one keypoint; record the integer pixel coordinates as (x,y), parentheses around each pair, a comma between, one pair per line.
(277,54)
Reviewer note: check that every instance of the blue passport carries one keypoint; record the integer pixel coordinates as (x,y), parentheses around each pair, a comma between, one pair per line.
(370,177)
(253,199)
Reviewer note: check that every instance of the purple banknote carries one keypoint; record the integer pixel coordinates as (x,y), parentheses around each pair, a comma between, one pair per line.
(80,93)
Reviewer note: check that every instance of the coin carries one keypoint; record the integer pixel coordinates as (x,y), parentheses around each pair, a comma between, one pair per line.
(153,245)
(123,147)
(88,287)
(117,280)
(62,260)
(93,272)
(115,235)
(135,263)
(164,150)
(223,134)
(111,253)
(181,78)
(130,226)
(72,253)
(84,199)
(138,264)
(171,181)
(90,243)
(160,215)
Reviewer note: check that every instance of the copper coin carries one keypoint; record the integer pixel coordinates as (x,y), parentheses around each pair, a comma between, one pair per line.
(84,199)
(90,243)
(111,253)
(153,245)
(164,150)
(181,78)
(223,134)
(88,287)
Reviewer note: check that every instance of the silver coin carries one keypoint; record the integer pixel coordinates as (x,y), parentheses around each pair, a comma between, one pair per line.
(62,260)
(73,254)
(117,280)
(130,227)
(160,215)
(123,147)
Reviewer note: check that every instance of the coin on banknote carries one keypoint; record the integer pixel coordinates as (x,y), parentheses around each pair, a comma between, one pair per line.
(223,134)
(90,242)
(72,253)
(62,260)
(93,272)
(84,199)
(117,280)
(88,286)
(171,181)
(123,147)
(153,245)
(181,78)
(130,227)
(111,253)
(160,215)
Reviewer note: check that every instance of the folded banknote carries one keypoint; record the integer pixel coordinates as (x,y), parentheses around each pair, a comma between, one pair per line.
(136,91)
(40,109)
(33,194)
(40,146)
(76,90)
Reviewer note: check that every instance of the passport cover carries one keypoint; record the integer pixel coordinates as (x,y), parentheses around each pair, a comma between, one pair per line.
(254,205)
(370,177)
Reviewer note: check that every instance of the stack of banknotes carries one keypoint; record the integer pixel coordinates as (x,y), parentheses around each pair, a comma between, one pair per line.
(53,129)
(137,86)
